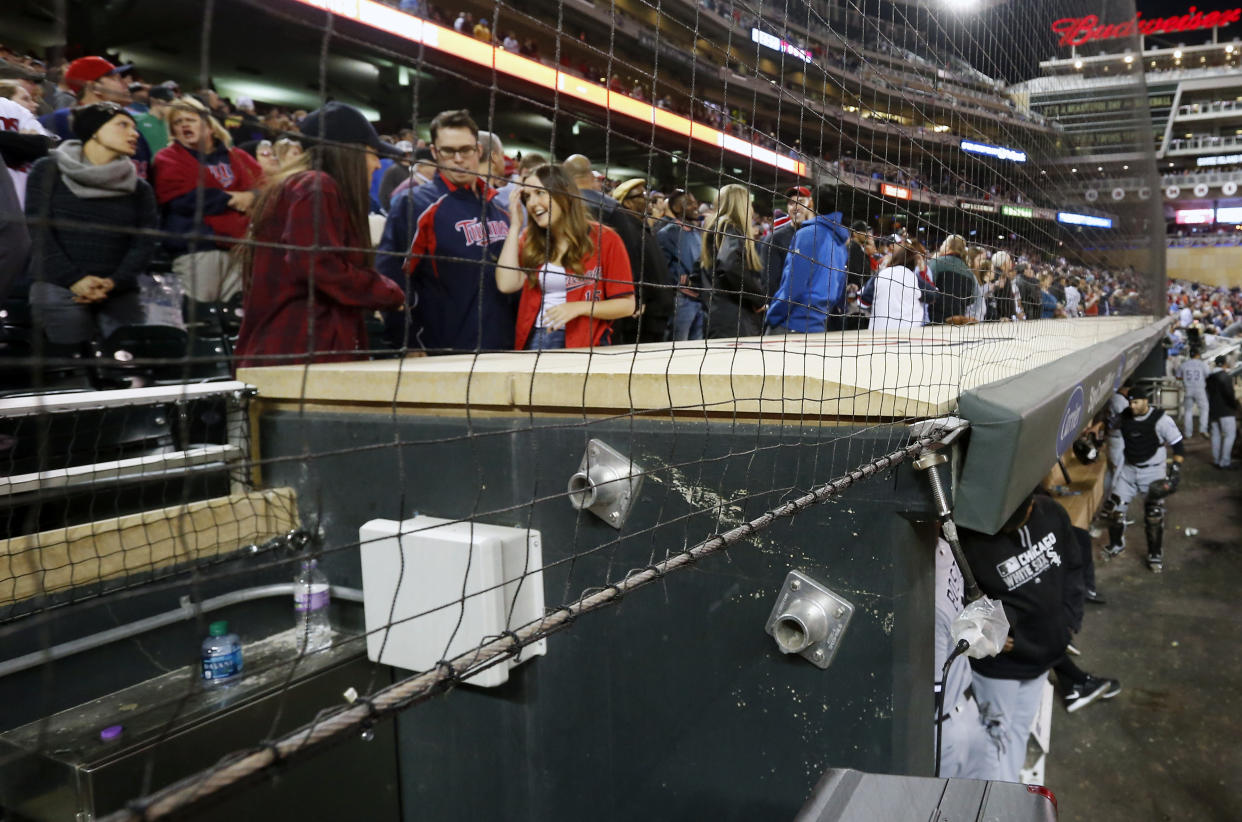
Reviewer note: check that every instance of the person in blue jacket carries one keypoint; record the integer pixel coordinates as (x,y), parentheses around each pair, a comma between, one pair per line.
(811,296)
(452,230)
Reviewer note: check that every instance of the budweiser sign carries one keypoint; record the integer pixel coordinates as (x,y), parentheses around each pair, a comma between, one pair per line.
(1075,31)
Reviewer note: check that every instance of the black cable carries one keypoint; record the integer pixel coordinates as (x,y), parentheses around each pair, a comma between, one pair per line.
(958,650)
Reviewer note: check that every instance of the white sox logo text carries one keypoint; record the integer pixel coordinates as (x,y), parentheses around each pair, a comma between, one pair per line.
(1021,569)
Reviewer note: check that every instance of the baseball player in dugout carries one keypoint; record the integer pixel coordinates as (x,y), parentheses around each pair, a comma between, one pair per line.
(1194,373)
(1144,436)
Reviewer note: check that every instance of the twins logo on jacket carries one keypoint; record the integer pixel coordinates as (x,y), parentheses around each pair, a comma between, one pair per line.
(476,235)
(1020,569)
(223,174)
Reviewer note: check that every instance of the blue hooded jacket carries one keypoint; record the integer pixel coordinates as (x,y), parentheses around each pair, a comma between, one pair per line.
(813,281)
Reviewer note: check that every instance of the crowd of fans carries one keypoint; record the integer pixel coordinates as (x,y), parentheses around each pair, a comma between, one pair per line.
(1203,312)
(184,180)
(1213,239)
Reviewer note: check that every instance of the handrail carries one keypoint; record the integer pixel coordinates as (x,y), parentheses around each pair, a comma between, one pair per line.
(186,610)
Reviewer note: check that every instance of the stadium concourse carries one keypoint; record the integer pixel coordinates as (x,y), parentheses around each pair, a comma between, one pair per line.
(550,410)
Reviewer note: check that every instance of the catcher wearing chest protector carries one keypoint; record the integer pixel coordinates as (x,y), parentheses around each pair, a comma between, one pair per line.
(1143,436)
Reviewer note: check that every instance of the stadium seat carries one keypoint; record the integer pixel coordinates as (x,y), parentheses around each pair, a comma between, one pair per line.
(137,355)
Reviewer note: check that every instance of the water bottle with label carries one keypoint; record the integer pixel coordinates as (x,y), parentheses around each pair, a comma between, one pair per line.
(310,605)
(222,654)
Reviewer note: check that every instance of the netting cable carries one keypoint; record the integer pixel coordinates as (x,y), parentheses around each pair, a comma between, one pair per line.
(199,787)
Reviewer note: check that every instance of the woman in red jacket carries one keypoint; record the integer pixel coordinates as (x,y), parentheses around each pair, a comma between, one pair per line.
(308,275)
(574,274)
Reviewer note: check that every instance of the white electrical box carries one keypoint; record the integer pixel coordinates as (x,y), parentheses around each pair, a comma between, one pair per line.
(434,588)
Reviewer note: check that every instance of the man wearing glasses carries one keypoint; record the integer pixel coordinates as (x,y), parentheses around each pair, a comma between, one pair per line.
(452,229)
(649,268)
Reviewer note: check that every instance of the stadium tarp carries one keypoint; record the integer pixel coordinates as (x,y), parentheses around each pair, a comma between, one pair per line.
(1020,425)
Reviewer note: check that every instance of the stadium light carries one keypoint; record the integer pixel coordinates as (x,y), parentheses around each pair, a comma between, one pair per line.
(393,21)
(999,152)
(1177,54)
(1129,59)
(1078,64)
(1070,218)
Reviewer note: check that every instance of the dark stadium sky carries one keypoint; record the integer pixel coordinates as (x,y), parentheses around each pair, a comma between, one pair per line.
(1010,39)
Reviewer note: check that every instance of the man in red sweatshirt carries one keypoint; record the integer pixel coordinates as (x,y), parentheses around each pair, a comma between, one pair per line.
(205,189)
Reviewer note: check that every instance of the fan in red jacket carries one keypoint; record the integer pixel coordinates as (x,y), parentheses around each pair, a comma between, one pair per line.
(206,188)
(574,274)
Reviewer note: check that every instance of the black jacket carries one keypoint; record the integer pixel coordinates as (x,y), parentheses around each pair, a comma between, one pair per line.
(17,150)
(956,286)
(653,289)
(1222,402)
(64,253)
(1032,297)
(859,266)
(775,250)
(1036,573)
(736,294)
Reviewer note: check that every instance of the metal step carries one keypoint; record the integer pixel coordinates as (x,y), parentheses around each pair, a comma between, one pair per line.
(100,473)
(32,404)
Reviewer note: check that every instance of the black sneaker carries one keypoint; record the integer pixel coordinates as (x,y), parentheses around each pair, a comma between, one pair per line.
(1094,597)
(1114,688)
(1113,550)
(1084,693)
(1156,564)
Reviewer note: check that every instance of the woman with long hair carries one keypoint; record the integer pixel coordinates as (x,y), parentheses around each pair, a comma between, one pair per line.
(896,301)
(1003,293)
(738,297)
(307,265)
(574,274)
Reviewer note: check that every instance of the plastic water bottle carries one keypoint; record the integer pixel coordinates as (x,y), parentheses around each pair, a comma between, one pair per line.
(222,654)
(310,606)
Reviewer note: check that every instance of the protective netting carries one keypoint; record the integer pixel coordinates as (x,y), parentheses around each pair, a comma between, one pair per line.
(248,329)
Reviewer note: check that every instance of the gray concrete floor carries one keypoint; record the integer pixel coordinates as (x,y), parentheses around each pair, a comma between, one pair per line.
(1169,747)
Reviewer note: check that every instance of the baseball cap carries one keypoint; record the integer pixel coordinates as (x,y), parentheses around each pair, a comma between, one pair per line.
(340,123)
(162,93)
(245,103)
(89,69)
(404,146)
(797,191)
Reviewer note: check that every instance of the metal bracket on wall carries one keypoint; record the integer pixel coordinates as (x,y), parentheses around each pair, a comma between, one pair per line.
(809,619)
(606,483)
